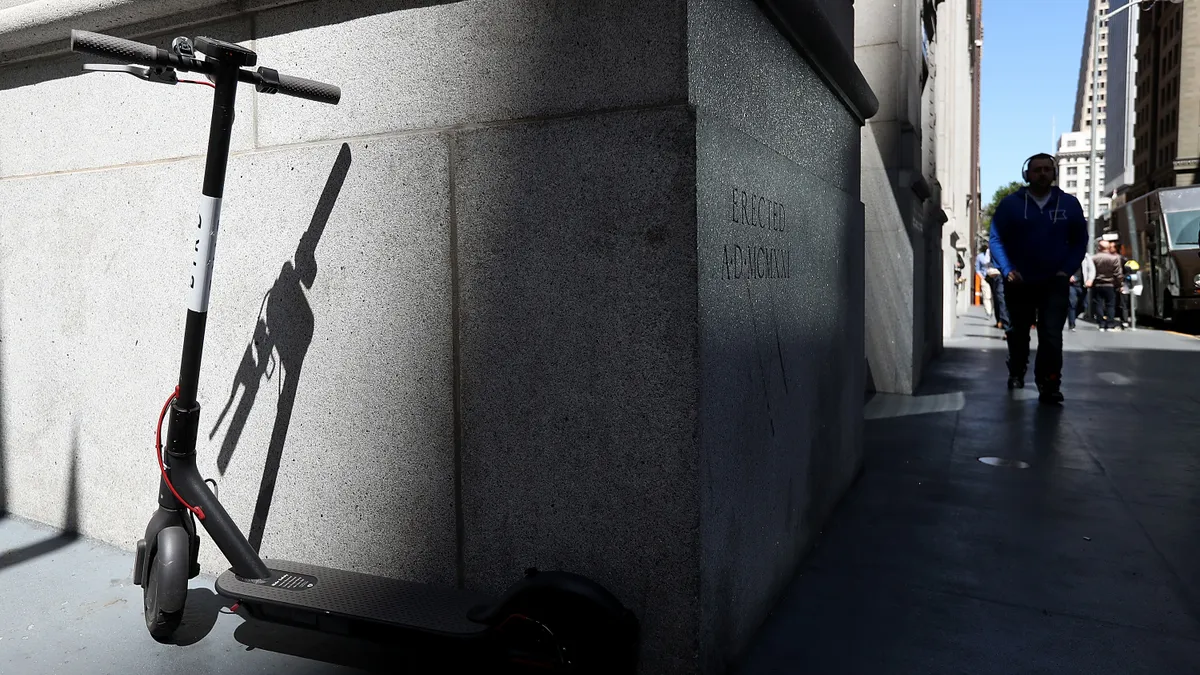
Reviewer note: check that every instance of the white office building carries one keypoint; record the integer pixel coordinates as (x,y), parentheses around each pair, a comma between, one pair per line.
(1074,170)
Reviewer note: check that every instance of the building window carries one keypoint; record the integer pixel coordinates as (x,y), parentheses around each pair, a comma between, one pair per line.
(1072,183)
(1071,170)
(1070,144)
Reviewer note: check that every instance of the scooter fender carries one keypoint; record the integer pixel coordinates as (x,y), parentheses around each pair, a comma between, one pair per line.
(147,547)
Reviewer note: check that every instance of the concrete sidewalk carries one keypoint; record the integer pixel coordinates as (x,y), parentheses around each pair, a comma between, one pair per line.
(71,609)
(1084,562)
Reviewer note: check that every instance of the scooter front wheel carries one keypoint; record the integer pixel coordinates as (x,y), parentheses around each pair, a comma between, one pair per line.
(165,589)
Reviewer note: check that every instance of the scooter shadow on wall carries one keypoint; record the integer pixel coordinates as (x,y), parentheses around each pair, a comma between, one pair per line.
(70,529)
(280,339)
(282,334)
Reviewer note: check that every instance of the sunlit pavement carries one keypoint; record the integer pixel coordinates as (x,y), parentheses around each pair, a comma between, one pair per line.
(71,609)
(1074,551)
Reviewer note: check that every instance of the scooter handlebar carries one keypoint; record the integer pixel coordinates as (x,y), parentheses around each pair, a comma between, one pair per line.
(272,82)
(266,80)
(117,48)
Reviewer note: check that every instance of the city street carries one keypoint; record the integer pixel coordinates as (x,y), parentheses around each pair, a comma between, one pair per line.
(620,289)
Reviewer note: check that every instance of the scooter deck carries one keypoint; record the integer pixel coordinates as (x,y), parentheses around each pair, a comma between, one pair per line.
(353,595)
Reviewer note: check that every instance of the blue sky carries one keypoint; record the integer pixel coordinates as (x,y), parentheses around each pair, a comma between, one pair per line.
(1030,69)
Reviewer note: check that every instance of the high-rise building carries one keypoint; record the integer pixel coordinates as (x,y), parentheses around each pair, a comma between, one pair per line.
(1167,130)
(1090,107)
(1087,90)
(1121,91)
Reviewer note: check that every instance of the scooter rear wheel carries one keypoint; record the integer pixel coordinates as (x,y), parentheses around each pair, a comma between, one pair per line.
(165,588)
(546,640)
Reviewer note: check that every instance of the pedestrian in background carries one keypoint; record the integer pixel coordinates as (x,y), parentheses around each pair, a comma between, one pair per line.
(1109,276)
(1076,292)
(982,262)
(1124,286)
(1086,302)
(993,285)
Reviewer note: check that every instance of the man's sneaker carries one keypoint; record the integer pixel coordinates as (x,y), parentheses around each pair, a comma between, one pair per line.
(1049,391)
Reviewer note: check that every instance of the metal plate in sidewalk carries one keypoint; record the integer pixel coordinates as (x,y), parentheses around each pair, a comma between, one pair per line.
(1004,461)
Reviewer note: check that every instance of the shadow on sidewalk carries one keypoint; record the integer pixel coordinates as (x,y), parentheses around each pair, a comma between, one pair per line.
(70,529)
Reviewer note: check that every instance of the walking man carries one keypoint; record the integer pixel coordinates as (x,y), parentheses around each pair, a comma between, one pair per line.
(1038,239)
(1109,276)
(982,262)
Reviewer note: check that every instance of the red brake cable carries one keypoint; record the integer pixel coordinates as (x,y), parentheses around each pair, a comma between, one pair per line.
(161,467)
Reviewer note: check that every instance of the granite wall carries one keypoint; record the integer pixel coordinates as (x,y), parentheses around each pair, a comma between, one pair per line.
(780,295)
(507,305)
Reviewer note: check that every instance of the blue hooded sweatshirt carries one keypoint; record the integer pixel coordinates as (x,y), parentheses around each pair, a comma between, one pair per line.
(1038,242)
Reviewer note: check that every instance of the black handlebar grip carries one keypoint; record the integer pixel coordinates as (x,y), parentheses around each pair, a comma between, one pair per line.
(114,47)
(272,82)
(309,89)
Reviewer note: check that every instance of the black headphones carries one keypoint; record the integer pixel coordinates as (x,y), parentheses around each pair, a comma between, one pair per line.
(1040,155)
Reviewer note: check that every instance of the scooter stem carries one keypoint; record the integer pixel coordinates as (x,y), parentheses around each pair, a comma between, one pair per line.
(205,242)
(180,455)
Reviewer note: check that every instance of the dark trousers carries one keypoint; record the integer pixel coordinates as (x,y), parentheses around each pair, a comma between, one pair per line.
(1046,304)
(998,303)
(1073,296)
(1106,310)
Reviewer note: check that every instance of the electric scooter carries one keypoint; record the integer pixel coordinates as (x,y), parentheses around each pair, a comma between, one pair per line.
(554,620)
